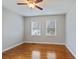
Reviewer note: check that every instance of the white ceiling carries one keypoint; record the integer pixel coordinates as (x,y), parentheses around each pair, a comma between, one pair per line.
(50,7)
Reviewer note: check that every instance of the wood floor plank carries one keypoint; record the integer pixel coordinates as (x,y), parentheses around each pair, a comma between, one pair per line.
(38,51)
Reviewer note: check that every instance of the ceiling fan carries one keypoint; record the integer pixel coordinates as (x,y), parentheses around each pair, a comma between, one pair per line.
(32,3)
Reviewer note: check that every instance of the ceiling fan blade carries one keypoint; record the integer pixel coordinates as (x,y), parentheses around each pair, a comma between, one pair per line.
(37,1)
(38,7)
(22,3)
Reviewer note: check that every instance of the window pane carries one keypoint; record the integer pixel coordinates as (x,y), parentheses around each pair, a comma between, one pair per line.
(51,27)
(35,28)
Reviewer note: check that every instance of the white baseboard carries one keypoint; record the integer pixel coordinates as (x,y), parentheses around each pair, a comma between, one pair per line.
(70,50)
(45,43)
(41,43)
(12,47)
(31,42)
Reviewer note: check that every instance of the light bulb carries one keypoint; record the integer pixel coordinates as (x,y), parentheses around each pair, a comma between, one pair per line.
(31,5)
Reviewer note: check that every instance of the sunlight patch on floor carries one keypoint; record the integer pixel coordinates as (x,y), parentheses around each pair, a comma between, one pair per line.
(51,55)
(35,55)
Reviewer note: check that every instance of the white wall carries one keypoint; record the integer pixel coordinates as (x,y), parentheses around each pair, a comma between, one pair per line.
(71,30)
(60,29)
(13,29)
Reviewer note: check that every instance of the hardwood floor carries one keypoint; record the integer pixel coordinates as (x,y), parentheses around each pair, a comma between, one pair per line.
(38,51)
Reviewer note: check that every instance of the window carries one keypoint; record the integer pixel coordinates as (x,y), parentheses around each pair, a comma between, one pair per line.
(51,27)
(35,28)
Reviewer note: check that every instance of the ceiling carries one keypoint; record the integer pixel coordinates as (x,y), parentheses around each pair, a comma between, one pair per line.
(50,7)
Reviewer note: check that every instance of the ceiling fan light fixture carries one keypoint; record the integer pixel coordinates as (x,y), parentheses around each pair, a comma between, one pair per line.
(31,5)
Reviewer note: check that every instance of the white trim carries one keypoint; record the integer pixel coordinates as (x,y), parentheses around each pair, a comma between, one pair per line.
(12,47)
(45,43)
(70,50)
(41,43)
(32,23)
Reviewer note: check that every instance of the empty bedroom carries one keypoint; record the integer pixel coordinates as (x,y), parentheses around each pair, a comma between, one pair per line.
(39,29)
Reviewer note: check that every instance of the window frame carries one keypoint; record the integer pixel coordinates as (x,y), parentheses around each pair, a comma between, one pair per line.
(38,30)
(47,34)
